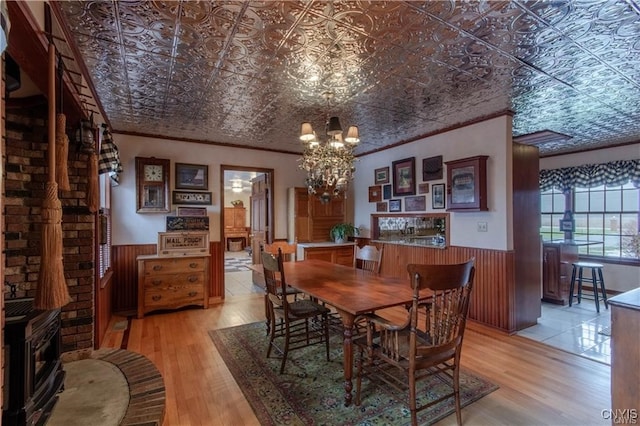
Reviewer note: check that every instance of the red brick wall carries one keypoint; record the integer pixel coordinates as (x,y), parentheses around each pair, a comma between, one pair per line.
(25,173)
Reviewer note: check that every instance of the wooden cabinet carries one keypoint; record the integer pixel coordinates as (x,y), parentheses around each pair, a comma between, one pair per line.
(341,254)
(172,282)
(625,355)
(310,220)
(235,225)
(467,184)
(556,271)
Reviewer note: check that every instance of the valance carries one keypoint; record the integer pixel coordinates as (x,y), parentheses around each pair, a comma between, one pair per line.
(109,161)
(590,175)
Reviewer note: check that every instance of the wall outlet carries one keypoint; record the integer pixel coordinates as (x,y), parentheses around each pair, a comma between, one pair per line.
(482,226)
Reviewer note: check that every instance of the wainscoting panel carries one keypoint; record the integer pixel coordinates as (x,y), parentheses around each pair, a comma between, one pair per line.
(493,298)
(125,277)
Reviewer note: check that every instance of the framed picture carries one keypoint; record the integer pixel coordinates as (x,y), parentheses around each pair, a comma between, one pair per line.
(386,192)
(437,196)
(194,198)
(567,225)
(467,184)
(415,204)
(381,176)
(381,206)
(152,185)
(423,188)
(395,205)
(192,176)
(404,177)
(191,211)
(375,193)
(432,168)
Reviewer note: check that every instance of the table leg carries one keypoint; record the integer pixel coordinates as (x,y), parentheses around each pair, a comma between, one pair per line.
(347,351)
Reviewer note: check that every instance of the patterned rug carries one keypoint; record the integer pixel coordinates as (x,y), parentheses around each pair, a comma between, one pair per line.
(238,264)
(311,389)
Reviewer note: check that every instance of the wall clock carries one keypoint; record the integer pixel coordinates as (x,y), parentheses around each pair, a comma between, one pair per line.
(152,185)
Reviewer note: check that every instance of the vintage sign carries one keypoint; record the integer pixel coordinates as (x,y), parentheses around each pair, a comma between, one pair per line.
(187,223)
(178,243)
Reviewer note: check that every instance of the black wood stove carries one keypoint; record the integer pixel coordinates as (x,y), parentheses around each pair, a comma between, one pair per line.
(33,374)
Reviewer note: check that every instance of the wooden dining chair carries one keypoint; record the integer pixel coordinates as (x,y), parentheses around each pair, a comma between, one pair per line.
(421,349)
(289,252)
(294,324)
(368,258)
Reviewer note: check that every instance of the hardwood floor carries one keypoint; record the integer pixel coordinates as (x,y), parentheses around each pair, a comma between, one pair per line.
(538,384)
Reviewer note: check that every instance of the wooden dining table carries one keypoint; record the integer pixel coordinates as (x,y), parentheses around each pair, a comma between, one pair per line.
(351,292)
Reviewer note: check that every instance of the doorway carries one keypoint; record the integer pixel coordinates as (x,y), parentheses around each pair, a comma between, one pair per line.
(246,221)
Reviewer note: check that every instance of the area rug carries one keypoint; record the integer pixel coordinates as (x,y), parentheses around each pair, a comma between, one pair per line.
(311,389)
(237,264)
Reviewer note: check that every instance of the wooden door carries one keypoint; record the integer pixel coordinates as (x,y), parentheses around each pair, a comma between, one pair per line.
(260,215)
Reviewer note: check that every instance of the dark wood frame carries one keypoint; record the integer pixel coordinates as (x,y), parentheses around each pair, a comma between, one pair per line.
(400,166)
(181,168)
(198,198)
(395,205)
(144,187)
(438,189)
(381,206)
(381,175)
(432,168)
(423,188)
(375,193)
(416,203)
(467,184)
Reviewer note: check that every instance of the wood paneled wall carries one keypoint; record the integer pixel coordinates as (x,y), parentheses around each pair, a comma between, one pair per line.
(125,277)
(493,297)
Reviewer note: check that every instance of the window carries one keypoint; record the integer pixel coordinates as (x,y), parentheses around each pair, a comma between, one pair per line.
(552,207)
(608,214)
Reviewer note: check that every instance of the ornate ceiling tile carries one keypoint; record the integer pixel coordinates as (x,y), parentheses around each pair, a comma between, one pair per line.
(249,72)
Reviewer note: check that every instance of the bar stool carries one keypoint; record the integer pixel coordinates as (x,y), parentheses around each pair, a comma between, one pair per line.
(595,280)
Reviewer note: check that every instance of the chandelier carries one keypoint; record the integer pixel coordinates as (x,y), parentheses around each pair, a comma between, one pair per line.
(329,164)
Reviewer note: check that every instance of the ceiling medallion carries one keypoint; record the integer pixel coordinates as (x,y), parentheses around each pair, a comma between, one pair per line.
(329,164)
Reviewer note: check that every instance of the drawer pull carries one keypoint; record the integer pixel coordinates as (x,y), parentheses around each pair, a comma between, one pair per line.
(157,267)
(192,278)
(156,297)
(192,293)
(193,265)
(156,282)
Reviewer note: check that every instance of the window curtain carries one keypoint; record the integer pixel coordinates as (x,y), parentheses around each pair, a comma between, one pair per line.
(109,159)
(590,175)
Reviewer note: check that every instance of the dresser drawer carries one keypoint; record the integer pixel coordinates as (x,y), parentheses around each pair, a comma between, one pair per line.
(173,297)
(170,266)
(174,280)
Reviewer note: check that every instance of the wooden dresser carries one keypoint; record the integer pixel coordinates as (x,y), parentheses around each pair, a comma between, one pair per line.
(235,219)
(172,282)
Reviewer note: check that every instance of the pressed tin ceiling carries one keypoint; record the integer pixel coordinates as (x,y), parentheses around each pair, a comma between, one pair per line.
(249,72)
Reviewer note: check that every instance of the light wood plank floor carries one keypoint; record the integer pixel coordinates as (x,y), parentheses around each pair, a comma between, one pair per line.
(539,385)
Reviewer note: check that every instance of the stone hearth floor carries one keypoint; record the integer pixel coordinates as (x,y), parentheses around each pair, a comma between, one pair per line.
(110,387)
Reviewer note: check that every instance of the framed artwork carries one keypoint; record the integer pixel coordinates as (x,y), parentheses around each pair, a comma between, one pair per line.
(467,184)
(432,168)
(415,204)
(395,205)
(193,198)
(381,176)
(152,185)
(191,211)
(381,206)
(404,177)
(386,192)
(192,176)
(423,188)
(437,196)
(375,193)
